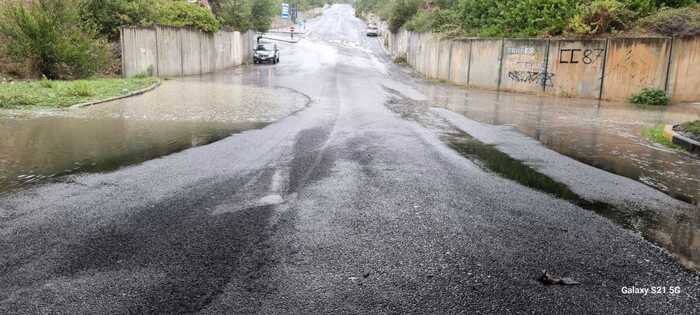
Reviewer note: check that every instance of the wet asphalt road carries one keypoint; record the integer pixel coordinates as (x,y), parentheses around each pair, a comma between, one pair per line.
(349,206)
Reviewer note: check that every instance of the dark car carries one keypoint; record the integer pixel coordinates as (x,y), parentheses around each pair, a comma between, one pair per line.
(265,52)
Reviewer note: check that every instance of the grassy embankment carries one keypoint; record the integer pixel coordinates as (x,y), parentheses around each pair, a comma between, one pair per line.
(656,135)
(692,128)
(47,93)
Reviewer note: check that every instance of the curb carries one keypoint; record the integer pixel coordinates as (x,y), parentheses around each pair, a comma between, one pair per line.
(135,93)
(681,140)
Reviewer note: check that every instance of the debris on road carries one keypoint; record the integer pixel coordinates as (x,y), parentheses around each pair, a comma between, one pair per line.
(549,279)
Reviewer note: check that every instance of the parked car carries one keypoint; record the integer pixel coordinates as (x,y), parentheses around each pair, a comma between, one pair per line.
(372,30)
(266,53)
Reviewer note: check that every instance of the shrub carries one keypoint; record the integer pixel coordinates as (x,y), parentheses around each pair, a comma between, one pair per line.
(401,12)
(439,21)
(45,83)
(261,14)
(674,22)
(236,14)
(109,15)
(401,60)
(181,13)
(15,100)
(51,35)
(650,97)
(80,89)
(599,17)
(692,128)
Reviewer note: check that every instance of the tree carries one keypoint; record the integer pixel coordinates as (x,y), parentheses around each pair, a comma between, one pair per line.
(235,14)
(51,35)
(262,12)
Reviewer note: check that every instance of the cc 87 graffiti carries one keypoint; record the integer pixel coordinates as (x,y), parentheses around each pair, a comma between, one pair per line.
(577,55)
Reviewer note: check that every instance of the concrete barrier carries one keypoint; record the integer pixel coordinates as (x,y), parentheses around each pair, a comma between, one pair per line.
(524,66)
(485,63)
(191,47)
(576,67)
(444,52)
(684,77)
(633,64)
(139,51)
(612,69)
(459,61)
(170,51)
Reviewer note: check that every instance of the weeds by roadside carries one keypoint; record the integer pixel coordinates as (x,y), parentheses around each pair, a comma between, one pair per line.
(656,135)
(47,93)
(656,97)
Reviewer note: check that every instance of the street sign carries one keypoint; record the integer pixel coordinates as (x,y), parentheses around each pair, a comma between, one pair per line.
(285,11)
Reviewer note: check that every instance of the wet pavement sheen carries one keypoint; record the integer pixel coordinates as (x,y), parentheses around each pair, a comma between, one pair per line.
(183,113)
(371,199)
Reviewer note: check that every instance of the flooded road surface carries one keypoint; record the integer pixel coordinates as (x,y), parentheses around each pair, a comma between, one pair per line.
(608,136)
(41,146)
(672,224)
(353,205)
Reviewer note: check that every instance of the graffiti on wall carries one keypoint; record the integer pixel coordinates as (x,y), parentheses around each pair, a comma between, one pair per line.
(576,55)
(532,77)
(525,65)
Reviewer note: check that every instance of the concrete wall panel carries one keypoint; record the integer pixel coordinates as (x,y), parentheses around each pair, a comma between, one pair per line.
(460,61)
(444,59)
(485,63)
(169,52)
(191,42)
(684,77)
(208,53)
(139,52)
(223,52)
(576,67)
(633,64)
(524,67)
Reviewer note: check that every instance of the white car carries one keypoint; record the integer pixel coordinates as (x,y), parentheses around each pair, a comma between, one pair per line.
(372,30)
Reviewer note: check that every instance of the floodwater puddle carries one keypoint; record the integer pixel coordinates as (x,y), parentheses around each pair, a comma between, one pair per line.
(678,233)
(608,136)
(45,145)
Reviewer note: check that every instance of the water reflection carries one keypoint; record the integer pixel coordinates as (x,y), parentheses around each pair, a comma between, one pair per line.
(38,146)
(678,231)
(607,136)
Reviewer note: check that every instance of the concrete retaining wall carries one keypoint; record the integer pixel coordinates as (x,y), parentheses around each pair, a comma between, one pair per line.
(169,51)
(459,61)
(485,68)
(612,69)
(633,64)
(577,67)
(524,65)
(684,75)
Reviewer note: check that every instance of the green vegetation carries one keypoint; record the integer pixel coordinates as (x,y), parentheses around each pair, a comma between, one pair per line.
(655,97)
(525,18)
(109,15)
(255,15)
(47,93)
(656,135)
(692,127)
(50,36)
(674,22)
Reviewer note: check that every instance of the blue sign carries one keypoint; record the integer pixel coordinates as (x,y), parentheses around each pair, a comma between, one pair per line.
(285,11)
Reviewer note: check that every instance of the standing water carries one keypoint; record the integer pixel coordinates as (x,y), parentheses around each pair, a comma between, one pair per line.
(37,146)
(608,136)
